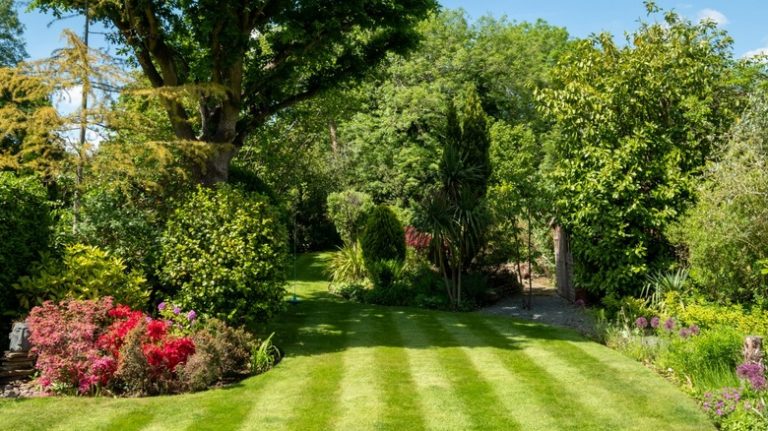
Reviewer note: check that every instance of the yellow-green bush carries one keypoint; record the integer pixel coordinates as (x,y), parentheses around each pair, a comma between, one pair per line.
(746,321)
(84,272)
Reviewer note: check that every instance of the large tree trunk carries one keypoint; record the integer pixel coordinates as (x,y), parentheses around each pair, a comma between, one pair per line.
(216,169)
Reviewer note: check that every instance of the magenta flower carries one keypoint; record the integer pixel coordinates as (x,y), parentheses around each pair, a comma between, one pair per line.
(754,374)
(694,330)
(176,310)
(655,322)
(685,332)
(641,323)
(161,306)
(191,315)
(669,324)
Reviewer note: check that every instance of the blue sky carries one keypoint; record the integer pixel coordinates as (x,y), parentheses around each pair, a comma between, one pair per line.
(743,19)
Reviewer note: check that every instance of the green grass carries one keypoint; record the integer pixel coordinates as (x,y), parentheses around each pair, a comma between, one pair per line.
(358,367)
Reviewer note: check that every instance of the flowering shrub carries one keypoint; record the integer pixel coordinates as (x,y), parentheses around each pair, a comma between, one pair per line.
(80,343)
(65,337)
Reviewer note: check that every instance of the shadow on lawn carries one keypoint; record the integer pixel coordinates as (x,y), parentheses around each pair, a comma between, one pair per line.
(322,323)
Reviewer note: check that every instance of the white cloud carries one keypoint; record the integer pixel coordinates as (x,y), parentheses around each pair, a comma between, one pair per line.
(712,15)
(69,101)
(756,52)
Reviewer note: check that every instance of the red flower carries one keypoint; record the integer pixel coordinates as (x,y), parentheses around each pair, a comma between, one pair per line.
(156,330)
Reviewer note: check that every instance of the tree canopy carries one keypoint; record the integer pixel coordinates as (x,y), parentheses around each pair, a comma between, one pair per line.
(243,61)
(12,47)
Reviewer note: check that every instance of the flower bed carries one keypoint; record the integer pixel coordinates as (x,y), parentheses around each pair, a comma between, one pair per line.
(95,346)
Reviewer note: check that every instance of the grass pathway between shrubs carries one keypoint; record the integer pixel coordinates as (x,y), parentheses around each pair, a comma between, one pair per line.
(361,367)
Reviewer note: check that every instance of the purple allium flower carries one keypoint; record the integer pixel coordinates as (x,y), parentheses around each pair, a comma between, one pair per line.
(147,319)
(669,324)
(191,315)
(176,310)
(685,332)
(641,323)
(694,330)
(161,306)
(655,322)
(754,373)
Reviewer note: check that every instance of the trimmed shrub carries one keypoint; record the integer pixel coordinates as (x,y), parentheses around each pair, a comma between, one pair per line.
(85,272)
(24,229)
(348,210)
(224,251)
(383,238)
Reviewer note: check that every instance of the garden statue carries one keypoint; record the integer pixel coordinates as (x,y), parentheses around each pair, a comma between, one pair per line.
(19,337)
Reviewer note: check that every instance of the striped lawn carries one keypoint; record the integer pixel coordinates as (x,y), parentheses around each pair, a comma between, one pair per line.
(359,367)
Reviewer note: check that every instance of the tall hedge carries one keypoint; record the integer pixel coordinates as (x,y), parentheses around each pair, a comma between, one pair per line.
(224,253)
(383,238)
(24,232)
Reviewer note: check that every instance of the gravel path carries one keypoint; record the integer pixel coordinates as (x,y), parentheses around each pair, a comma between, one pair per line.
(547,308)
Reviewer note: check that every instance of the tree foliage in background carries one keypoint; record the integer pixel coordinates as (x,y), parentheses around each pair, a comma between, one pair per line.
(636,125)
(348,210)
(392,147)
(242,63)
(12,47)
(29,124)
(726,233)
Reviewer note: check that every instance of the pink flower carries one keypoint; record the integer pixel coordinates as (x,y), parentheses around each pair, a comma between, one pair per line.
(641,323)
(191,315)
(161,306)
(655,322)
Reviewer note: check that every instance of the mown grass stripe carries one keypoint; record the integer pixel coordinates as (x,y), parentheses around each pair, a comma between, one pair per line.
(440,404)
(632,381)
(512,391)
(602,391)
(307,398)
(359,403)
(565,404)
(476,394)
(402,407)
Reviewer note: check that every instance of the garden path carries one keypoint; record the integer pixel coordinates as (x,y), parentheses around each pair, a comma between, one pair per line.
(548,307)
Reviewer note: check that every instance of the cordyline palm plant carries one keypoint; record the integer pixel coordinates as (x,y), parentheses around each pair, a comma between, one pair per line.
(455,213)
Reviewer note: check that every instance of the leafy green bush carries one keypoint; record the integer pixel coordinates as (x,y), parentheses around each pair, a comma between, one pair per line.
(84,272)
(348,211)
(383,238)
(726,233)
(24,230)
(709,359)
(126,229)
(708,315)
(224,251)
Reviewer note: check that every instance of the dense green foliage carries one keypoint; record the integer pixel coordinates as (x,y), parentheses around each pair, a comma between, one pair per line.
(223,253)
(383,238)
(636,125)
(348,210)
(726,233)
(24,229)
(84,272)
